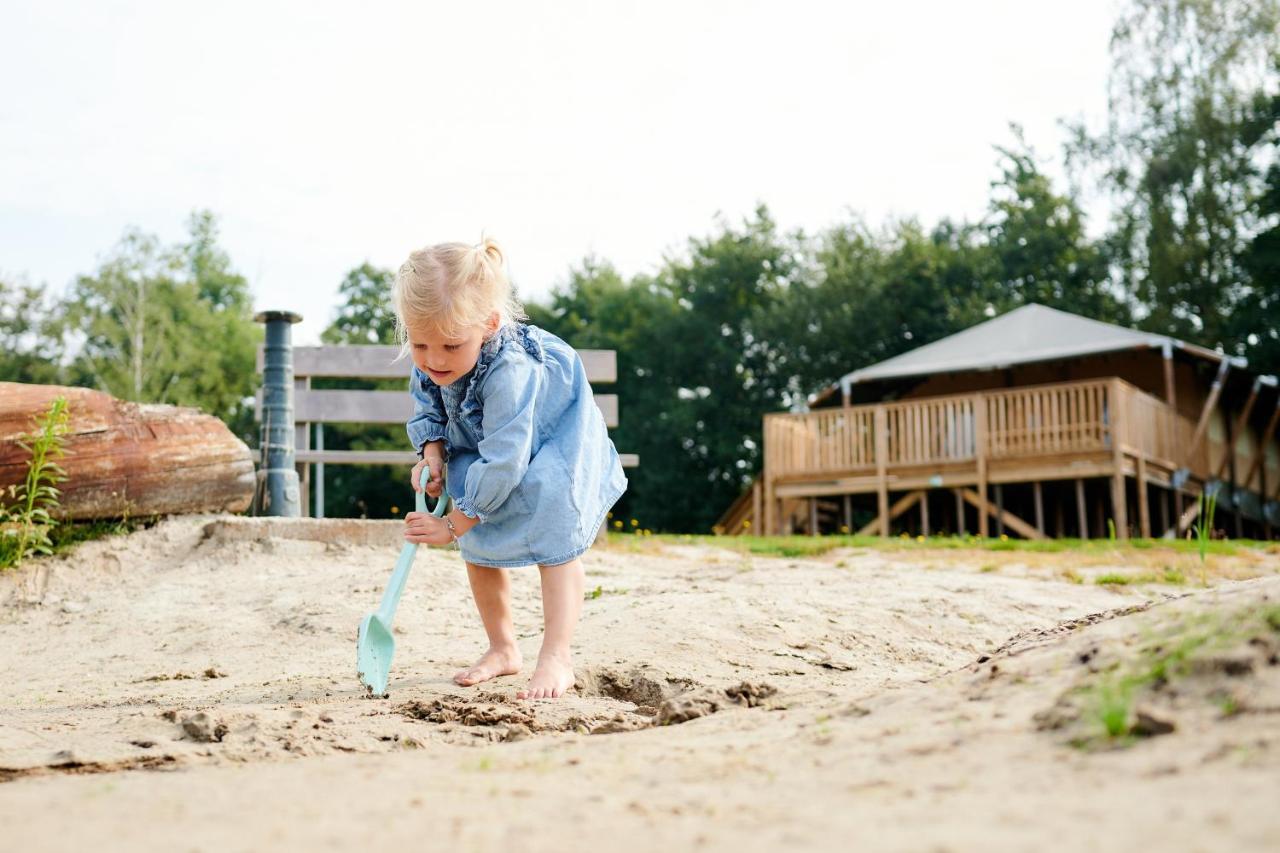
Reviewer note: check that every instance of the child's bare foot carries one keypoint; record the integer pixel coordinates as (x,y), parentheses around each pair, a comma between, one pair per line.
(551,677)
(492,663)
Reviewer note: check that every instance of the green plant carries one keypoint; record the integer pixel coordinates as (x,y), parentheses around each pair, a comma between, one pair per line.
(27,520)
(1204,530)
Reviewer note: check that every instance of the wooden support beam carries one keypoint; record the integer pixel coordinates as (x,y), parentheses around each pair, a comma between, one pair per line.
(999,509)
(1082,516)
(1039,500)
(1170,387)
(1165,498)
(924,513)
(1212,400)
(1119,502)
(1014,523)
(960,524)
(980,447)
(1184,520)
(1241,424)
(1144,509)
(813,516)
(848,513)
(882,465)
(1258,462)
(900,506)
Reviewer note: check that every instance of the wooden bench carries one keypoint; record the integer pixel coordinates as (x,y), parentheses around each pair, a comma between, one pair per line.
(320,407)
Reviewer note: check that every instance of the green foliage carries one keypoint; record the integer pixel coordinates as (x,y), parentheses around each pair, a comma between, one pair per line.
(168,324)
(27,518)
(1204,528)
(1182,89)
(365,491)
(29,341)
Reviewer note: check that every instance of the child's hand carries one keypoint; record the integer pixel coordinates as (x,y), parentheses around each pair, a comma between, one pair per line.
(423,528)
(434,459)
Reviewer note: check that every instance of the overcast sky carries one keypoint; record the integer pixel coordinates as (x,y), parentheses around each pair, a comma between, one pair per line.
(324,135)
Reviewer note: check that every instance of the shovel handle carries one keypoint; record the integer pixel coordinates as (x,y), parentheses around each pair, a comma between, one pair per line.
(444,503)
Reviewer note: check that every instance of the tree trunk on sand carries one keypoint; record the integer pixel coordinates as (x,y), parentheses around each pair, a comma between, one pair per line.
(129,459)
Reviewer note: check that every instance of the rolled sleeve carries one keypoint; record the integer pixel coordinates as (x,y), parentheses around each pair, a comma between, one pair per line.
(508,398)
(429,420)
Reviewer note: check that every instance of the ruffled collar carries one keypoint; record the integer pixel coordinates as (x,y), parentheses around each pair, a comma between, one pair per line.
(528,338)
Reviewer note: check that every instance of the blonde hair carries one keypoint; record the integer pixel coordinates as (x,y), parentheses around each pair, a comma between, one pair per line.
(453,286)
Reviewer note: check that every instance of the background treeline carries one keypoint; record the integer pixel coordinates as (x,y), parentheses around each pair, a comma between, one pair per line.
(749,319)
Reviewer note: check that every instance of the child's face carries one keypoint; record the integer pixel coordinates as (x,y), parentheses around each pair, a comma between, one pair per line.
(446,357)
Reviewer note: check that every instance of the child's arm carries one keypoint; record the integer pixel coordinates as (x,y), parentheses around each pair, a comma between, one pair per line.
(427,426)
(507,397)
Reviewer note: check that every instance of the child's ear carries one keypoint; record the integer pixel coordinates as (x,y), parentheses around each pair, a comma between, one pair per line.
(494,322)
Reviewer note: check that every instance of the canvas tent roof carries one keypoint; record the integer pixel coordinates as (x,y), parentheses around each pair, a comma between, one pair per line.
(1028,334)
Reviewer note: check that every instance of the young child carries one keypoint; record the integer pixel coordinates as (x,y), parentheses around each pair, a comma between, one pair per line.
(531,469)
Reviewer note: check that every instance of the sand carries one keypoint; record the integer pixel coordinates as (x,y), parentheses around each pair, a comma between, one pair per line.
(192,687)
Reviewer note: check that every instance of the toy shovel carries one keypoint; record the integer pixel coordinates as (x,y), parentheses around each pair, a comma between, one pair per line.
(374,643)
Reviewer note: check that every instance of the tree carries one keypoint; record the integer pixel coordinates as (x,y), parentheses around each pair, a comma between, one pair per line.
(29,341)
(1038,248)
(1257,325)
(1172,158)
(365,317)
(168,325)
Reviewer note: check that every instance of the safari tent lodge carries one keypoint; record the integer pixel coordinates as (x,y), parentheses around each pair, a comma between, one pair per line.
(1036,423)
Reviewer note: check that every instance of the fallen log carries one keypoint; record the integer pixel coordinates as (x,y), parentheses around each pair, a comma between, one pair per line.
(129,459)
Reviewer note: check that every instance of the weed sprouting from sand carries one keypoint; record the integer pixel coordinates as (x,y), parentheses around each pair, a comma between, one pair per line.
(1109,698)
(26,523)
(1204,530)
(1113,579)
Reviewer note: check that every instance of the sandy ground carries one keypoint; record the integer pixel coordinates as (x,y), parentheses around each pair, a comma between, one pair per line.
(192,687)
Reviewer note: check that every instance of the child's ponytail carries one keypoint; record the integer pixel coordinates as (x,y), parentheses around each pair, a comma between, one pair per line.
(454,286)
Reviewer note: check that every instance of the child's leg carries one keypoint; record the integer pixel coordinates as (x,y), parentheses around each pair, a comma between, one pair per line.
(561,608)
(492,592)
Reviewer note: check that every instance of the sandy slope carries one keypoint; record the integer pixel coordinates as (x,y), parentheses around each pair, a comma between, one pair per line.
(222,650)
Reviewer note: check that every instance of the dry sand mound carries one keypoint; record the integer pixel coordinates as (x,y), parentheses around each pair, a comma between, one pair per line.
(723,699)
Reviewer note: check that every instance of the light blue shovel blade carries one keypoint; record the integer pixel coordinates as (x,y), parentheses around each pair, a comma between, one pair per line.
(375,646)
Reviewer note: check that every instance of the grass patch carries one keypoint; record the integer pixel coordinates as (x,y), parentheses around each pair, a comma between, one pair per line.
(1109,699)
(808,546)
(1114,579)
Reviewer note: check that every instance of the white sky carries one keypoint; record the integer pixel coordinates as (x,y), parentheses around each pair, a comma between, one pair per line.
(327,134)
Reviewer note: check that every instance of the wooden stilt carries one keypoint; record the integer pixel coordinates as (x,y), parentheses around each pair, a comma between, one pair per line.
(848,513)
(960,523)
(924,514)
(980,447)
(882,462)
(1165,499)
(1119,508)
(1144,509)
(1099,517)
(1039,499)
(999,509)
(813,516)
(1081,517)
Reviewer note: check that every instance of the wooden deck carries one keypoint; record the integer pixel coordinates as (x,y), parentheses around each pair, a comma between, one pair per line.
(1070,431)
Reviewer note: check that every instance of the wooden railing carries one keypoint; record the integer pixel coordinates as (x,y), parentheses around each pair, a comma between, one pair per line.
(1049,419)
(1066,418)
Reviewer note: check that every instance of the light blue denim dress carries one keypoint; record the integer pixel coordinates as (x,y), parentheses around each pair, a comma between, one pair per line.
(527,449)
